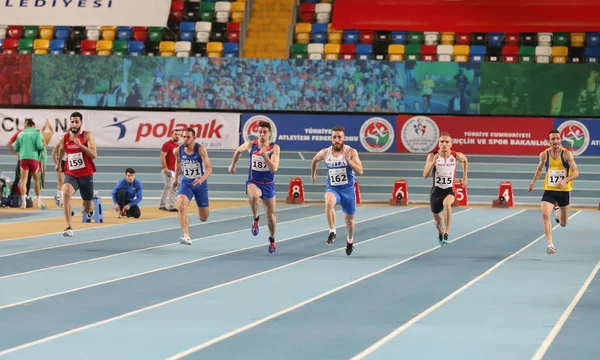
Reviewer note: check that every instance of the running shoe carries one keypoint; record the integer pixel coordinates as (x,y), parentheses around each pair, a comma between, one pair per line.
(330,238)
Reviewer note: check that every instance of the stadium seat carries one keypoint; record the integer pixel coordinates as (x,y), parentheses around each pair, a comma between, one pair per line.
(430,52)
(155,34)
(207,11)
(447,38)
(366,36)
(300,51)
(350,37)
(198,49)
(412,52)
(303,31)
(576,55)
(2,32)
(139,33)
(399,37)
(92,33)
(104,47)
(559,54)
(231,50)
(334,36)
(88,47)
(176,11)
(527,54)
(544,39)
(218,32)
(396,52)
(592,55)
(527,39)
(233,31)
(25,46)
(214,49)
(119,47)
(41,46)
(494,39)
(543,54)
(10,46)
(318,33)
(492,53)
(364,51)
(315,51)
(432,38)
(15,32)
(477,53)
(461,52)
(124,33)
(46,32)
(183,48)
(347,51)
(414,38)
(592,39)
(463,39)
(510,53)
(203,29)
(187,31)
(57,46)
(237,11)
(560,39)
(222,9)
(167,48)
(191,12)
(323,13)
(306,12)
(109,33)
(577,39)
(445,53)
(135,48)
(332,51)
(62,32)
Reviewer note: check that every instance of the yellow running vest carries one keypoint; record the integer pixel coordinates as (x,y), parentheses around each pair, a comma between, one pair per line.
(556,170)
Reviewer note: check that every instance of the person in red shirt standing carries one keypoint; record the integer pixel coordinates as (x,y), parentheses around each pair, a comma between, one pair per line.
(168,198)
(80,147)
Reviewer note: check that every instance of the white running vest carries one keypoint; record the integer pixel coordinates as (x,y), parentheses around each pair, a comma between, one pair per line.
(444,171)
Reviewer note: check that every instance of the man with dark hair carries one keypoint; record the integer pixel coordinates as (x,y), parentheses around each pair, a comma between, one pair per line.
(195,166)
(32,154)
(441,165)
(127,195)
(167,162)
(342,163)
(80,148)
(264,162)
(561,170)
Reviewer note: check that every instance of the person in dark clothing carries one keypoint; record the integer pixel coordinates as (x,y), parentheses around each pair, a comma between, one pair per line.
(127,195)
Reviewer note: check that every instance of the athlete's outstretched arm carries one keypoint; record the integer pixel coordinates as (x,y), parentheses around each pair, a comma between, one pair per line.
(207,164)
(573,169)
(245,147)
(177,166)
(429,164)
(538,171)
(313,164)
(354,162)
(58,153)
(465,166)
(273,161)
(90,149)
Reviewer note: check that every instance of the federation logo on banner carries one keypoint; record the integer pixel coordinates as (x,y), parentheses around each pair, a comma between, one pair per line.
(420,134)
(575,136)
(376,135)
(250,130)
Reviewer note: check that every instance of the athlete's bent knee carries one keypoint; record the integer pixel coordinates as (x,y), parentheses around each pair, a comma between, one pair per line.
(545,216)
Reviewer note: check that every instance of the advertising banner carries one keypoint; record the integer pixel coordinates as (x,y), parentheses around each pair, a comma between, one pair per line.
(299,132)
(51,123)
(85,12)
(581,136)
(474,135)
(150,130)
(114,129)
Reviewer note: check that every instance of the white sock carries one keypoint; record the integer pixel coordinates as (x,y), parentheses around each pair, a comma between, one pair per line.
(350,241)
(332,230)
(23,200)
(39,199)
(60,196)
(58,192)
